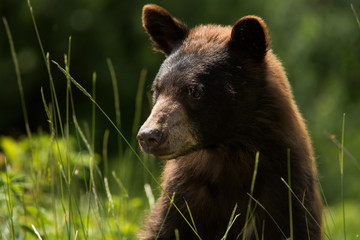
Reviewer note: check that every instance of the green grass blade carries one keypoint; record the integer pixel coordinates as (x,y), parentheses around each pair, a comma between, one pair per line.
(291,192)
(57,114)
(191,217)
(46,58)
(36,30)
(296,197)
(307,228)
(271,217)
(47,110)
(111,208)
(177,234)
(18,76)
(93,113)
(9,202)
(121,185)
(116,102)
(248,211)
(92,188)
(108,194)
(166,215)
(105,152)
(341,160)
(347,153)
(67,136)
(149,195)
(355,14)
(328,209)
(52,137)
(68,91)
(36,232)
(290,197)
(80,217)
(138,105)
(83,138)
(231,222)
(88,190)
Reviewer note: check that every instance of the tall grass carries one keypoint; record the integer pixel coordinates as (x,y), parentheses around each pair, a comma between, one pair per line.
(73,181)
(341,162)
(116,103)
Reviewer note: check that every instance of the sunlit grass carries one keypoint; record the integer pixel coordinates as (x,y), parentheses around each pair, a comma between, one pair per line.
(52,186)
(335,228)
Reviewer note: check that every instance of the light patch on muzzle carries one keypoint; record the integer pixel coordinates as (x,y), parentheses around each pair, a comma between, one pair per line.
(167,133)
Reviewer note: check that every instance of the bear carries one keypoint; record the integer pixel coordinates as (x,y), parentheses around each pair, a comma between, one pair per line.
(238,159)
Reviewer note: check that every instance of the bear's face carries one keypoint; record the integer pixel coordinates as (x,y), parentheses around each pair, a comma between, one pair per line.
(185,97)
(199,86)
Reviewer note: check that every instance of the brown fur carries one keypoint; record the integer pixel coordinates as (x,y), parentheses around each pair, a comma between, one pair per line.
(220,97)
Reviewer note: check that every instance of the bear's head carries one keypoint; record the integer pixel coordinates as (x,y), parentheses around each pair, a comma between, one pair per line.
(206,90)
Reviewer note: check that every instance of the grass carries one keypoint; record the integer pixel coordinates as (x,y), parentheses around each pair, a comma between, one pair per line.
(63,169)
(51,186)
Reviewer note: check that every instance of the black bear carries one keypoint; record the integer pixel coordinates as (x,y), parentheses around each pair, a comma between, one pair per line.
(221,98)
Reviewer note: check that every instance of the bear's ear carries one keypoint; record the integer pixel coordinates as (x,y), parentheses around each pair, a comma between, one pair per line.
(250,34)
(164,30)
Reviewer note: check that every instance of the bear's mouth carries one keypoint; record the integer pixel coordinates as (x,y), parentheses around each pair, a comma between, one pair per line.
(163,150)
(164,155)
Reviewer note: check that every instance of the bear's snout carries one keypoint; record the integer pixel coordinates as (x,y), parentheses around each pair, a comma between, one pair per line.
(167,133)
(149,139)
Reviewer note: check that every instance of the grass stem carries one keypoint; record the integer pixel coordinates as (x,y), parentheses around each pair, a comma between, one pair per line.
(290,197)
(138,105)
(341,161)
(355,14)
(116,102)
(18,77)
(248,211)
(9,202)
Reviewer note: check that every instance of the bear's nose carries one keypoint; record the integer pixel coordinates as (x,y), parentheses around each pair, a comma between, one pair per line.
(149,138)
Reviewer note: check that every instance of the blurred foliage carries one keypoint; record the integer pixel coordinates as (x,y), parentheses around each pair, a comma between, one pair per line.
(318,42)
(334,223)
(46,183)
(20,152)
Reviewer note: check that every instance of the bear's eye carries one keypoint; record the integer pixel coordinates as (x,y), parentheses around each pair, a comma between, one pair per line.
(194,92)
